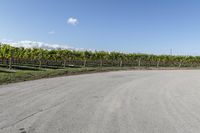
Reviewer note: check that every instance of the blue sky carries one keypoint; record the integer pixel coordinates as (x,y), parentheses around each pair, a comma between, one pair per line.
(147,26)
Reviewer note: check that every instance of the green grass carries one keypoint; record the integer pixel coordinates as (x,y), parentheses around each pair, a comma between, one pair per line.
(11,76)
(25,73)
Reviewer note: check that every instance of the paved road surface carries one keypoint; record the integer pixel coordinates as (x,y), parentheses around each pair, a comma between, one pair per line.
(113,102)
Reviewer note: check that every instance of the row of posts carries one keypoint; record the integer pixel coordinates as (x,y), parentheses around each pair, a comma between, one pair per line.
(85,62)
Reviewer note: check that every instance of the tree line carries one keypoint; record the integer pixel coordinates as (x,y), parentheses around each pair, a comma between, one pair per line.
(63,57)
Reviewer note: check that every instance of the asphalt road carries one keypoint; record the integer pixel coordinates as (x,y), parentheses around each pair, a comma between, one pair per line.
(113,102)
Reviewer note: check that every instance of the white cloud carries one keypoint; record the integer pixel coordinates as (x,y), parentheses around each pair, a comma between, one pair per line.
(72,21)
(51,32)
(34,44)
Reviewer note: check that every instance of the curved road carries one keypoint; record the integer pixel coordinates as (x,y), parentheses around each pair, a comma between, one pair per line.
(113,102)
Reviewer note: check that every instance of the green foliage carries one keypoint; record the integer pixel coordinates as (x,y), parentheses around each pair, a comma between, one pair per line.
(123,59)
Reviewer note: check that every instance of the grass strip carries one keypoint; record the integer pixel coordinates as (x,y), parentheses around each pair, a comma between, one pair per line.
(25,75)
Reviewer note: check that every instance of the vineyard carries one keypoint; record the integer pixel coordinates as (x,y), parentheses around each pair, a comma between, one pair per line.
(35,57)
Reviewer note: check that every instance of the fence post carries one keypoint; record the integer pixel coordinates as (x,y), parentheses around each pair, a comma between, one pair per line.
(121,63)
(101,63)
(85,61)
(11,59)
(180,63)
(139,62)
(158,63)
(64,63)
